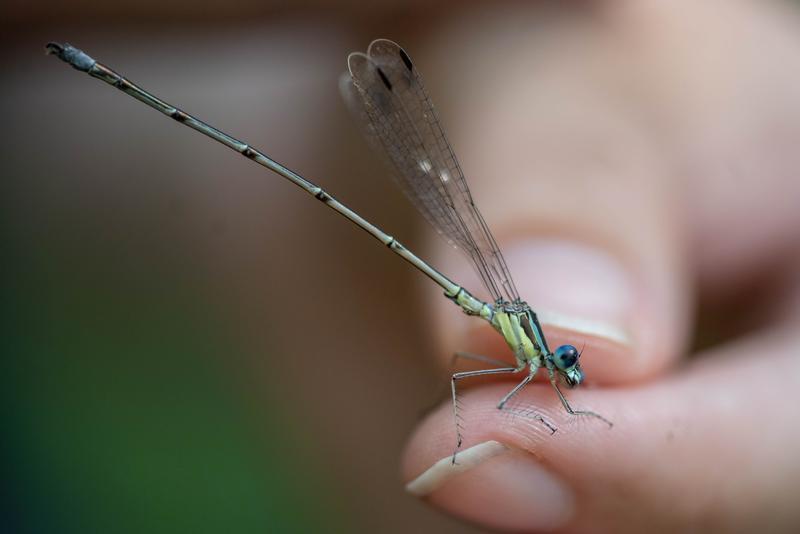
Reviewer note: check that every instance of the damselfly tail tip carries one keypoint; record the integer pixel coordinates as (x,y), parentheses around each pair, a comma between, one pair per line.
(69,54)
(53,47)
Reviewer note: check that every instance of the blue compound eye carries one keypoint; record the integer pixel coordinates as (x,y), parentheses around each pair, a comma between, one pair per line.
(565,357)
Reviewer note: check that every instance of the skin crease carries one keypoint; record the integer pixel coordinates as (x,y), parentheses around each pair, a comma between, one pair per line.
(665,123)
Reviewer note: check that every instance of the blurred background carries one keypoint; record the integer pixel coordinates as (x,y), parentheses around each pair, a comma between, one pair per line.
(191,344)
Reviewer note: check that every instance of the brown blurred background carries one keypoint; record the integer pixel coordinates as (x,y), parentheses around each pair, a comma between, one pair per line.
(191,343)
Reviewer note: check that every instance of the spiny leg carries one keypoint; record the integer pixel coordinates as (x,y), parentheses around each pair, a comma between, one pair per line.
(514,391)
(510,394)
(469,374)
(531,413)
(569,409)
(466,356)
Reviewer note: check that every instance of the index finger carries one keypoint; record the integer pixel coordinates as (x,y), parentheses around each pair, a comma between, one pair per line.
(578,196)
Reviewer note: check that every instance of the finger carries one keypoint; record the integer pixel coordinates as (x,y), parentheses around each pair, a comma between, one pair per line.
(577,194)
(720,88)
(712,446)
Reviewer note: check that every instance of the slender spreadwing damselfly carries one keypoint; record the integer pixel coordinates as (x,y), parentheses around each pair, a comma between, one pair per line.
(385,91)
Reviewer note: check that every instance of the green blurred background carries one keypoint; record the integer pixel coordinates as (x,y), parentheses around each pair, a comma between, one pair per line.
(190,343)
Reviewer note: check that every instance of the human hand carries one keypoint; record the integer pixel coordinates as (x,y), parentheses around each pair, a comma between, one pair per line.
(635,160)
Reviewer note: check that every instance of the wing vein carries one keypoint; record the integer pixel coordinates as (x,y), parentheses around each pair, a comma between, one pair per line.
(386,93)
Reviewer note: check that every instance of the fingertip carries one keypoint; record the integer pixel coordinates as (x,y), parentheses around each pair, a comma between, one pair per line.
(491,482)
(609,299)
(508,490)
(586,296)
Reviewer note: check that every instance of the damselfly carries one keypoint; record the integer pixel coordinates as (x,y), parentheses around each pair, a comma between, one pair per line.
(384,89)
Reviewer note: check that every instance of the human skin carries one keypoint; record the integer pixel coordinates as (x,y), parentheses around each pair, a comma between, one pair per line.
(633,159)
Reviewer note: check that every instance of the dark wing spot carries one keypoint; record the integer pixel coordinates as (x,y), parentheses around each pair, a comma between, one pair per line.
(406,59)
(384,79)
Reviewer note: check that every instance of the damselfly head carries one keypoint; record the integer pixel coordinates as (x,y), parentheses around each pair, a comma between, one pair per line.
(567,361)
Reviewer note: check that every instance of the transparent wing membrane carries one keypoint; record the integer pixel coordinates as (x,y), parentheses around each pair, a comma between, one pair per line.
(384,90)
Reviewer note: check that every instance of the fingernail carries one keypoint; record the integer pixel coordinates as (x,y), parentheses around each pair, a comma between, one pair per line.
(445,469)
(495,485)
(574,285)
